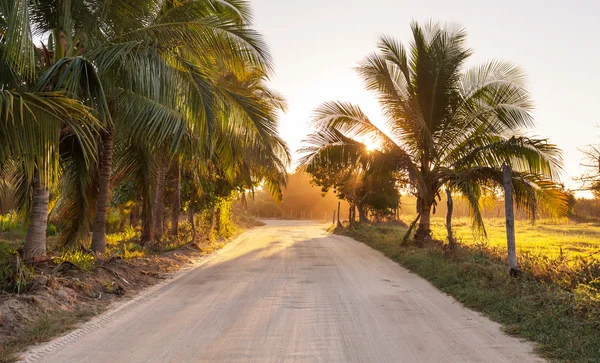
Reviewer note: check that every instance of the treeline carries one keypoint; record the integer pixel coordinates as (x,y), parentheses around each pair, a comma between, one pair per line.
(301,200)
(132,112)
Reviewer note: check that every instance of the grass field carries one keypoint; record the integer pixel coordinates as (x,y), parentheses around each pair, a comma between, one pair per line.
(547,237)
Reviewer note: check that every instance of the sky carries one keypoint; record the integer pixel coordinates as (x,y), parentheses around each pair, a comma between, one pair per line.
(317,43)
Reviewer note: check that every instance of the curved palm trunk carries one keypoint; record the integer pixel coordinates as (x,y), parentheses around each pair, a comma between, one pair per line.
(450,205)
(176,201)
(35,241)
(159,203)
(99,231)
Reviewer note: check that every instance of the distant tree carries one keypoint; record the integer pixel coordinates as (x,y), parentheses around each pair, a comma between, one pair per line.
(591,178)
(368,193)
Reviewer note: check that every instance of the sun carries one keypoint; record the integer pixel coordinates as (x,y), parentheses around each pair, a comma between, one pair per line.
(371,146)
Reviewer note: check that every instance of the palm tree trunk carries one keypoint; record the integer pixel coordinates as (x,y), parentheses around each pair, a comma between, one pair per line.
(124,220)
(423,233)
(176,201)
(513,267)
(147,221)
(134,216)
(158,209)
(105,167)
(35,241)
(450,205)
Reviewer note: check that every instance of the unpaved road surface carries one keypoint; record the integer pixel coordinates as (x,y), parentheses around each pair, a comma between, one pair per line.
(290,292)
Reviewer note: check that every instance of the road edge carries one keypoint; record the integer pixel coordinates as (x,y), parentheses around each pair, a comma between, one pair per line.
(35,353)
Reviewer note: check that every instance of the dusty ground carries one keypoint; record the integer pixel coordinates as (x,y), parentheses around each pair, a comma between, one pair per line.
(290,292)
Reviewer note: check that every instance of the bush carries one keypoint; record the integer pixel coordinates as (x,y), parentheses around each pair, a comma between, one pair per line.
(132,250)
(113,221)
(9,222)
(15,276)
(81,259)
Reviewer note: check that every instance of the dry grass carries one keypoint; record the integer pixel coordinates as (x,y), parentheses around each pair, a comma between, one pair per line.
(43,329)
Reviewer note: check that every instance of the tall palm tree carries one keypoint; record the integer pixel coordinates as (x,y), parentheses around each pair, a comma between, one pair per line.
(447,125)
(35,123)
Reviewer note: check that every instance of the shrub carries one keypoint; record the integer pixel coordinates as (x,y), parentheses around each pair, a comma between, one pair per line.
(81,259)
(15,276)
(113,221)
(130,233)
(133,250)
(9,222)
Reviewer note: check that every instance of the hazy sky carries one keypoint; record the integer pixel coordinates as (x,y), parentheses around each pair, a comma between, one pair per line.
(316,43)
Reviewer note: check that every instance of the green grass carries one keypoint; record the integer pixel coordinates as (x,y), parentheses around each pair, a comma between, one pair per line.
(555,302)
(547,237)
(83,260)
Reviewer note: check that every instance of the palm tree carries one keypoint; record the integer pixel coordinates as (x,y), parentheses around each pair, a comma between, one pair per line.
(156,57)
(35,123)
(447,125)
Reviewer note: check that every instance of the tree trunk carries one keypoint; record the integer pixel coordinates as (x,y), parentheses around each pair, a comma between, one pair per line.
(35,241)
(190,215)
(362,216)
(147,221)
(124,221)
(450,204)
(105,167)
(192,223)
(338,215)
(423,234)
(134,216)
(351,212)
(217,217)
(176,201)
(158,209)
(510,220)
(211,228)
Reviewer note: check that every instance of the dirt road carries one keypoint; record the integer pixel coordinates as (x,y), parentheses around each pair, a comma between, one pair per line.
(289,292)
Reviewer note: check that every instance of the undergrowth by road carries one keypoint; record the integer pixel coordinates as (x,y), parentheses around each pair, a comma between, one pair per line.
(555,302)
